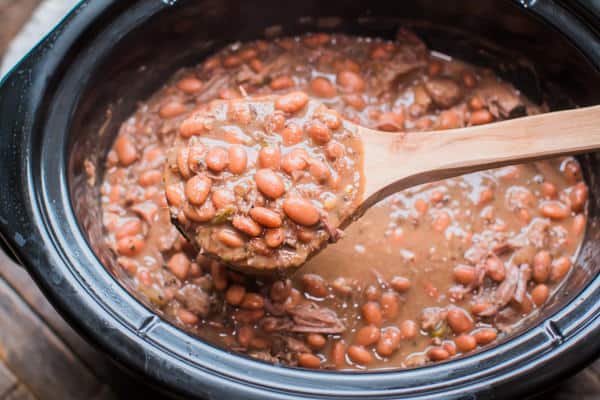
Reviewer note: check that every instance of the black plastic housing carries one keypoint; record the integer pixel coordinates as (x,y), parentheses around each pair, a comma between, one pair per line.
(106,55)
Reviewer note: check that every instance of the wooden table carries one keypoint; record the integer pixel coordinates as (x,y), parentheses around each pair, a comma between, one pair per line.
(42,357)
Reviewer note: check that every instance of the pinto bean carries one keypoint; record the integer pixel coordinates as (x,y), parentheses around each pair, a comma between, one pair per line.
(130,245)
(448,119)
(202,214)
(350,81)
(390,305)
(246,225)
(281,83)
(338,353)
(179,265)
(292,134)
(269,183)
(252,301)
(291,102)
(578,197)
(235,294)
(308,360)
(555,210)
(572,171)
(301,211)
(389,341)
(222,198)
(171,109)
(274,237)
(409,329)
(316,340)
(126,151)
(459,321)
(441,222)
(295,160)
(481,117)
(238,159)
(318,131)
(130,227)
(174,193)
(217,159)
(465,343)
(400,283)
(197,189)
(495,269)
(190,85)
(183,165)
(541,266)
(371,312)
(192,126)
(187,317)
(560,267)
(322,87)
(464,274)
(578,224)
(359,355)
(230,238)
(539,294)
(438,354)
(269,157)
(319,171)
(485,336)
(367,335)
(265,217)
(314,285)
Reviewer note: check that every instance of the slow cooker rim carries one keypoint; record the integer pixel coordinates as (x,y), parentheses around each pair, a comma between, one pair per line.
(55,253)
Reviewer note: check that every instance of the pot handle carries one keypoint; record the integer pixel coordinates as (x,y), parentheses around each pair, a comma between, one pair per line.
(15,123)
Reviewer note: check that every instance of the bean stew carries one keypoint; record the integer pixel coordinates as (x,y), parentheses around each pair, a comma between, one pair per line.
(431,273)
(248,186)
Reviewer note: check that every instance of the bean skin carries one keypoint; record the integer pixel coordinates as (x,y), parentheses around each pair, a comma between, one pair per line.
(246,225)
(389,341)
(238,159)
(301,211)
(371,312)
(265,217)
(322,87)
(539,294)
(269,183)
(291,102)
(197,189)
(295,160)
(126,151)
(465,343)
(367,335)
(230,238)
(217,159)
(269,157)
(179,265)
(459,321)
(359,355)
(274,237)
(308,360)
(541,266)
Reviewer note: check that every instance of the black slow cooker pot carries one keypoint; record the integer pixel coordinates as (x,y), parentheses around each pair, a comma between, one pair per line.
(64,102)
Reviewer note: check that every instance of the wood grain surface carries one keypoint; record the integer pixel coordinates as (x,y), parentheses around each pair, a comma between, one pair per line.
(42,357)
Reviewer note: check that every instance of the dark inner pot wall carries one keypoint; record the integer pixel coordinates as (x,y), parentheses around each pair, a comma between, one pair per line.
(126,71)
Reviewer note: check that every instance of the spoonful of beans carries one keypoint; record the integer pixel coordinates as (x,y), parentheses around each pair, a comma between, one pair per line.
(265,183)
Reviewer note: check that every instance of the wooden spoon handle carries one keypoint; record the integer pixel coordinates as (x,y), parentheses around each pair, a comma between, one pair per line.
(394,161)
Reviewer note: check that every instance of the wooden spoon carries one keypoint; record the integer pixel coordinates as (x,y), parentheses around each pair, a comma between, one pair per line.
(396,161)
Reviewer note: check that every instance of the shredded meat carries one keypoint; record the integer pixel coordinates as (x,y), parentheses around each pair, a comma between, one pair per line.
(309,317)
(506,290)
(524,277)
(538,233)
(445,92)
(502,100)
(194,299)
(431,317)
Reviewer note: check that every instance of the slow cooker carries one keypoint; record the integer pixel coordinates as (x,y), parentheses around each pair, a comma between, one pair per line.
(65,100)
